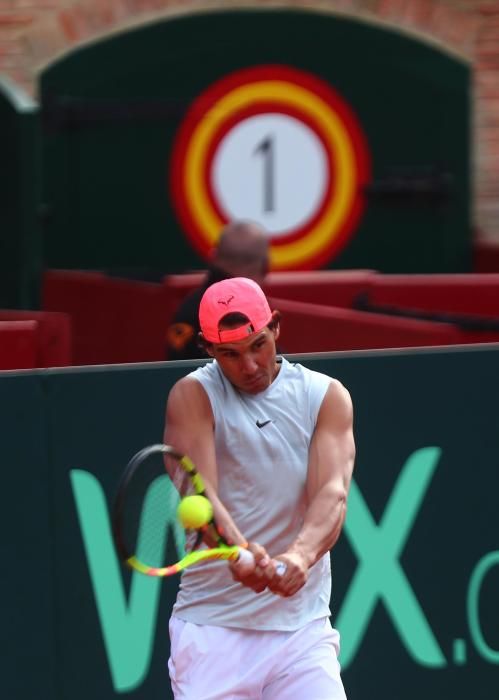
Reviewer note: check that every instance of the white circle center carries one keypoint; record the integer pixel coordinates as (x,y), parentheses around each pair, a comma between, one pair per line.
(272,169)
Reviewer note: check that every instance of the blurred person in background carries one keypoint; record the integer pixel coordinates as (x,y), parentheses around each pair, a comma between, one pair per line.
(242,251)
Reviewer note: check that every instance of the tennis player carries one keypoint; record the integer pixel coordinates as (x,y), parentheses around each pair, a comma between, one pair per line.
(241,251)
(274,442)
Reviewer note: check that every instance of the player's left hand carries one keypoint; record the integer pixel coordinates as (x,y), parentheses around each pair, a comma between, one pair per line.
(294,577)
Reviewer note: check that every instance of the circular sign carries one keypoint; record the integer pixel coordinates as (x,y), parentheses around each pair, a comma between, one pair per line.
(278,146)
(271,168)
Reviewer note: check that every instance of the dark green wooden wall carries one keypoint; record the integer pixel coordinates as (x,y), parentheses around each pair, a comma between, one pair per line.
(20,191)
(111,110)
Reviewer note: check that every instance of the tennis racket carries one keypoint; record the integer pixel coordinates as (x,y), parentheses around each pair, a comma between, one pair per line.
(145,507)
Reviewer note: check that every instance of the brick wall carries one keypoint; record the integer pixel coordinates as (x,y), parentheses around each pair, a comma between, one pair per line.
(35,32)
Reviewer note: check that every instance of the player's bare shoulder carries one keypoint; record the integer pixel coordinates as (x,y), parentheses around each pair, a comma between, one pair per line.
(185,387)
(339,392)
(188,395)
(337,403)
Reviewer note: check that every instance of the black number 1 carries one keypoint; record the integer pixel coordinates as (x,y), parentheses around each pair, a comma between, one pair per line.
(266,148)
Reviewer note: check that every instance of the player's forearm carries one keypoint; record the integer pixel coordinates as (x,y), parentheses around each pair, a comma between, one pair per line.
(322,525)
(226,525)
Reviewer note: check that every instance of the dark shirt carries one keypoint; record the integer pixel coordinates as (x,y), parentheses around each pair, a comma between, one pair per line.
(182,333)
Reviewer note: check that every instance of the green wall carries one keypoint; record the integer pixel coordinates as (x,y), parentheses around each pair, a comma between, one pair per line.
(111,111)
(416,571)
(20,190)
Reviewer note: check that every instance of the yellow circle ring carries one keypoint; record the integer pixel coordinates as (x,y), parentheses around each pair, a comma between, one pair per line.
(337,140)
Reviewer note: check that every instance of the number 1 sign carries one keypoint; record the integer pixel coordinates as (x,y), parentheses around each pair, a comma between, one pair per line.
(278,146)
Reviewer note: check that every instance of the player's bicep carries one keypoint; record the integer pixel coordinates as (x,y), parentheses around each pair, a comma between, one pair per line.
(189,426)
(332,448)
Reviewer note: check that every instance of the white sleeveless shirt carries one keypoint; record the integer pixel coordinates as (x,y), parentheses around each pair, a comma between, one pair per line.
(262,444)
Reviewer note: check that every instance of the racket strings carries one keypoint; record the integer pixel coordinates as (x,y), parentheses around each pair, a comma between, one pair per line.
(186,483)
(178,476)
(145,515)
(151,518)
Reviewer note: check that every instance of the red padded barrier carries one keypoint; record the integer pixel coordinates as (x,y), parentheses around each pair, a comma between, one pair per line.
(18,344)
(329,287)
(461,293)
(177,287)
(485,257)
(180,285)
(314,328)
(82,296)
(326,287)
(53,337)
(114,320)
(118,320)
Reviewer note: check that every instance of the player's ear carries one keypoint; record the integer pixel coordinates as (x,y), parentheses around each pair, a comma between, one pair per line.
(203,343)
(275,325)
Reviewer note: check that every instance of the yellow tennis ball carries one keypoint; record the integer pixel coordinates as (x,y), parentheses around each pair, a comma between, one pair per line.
(194,511)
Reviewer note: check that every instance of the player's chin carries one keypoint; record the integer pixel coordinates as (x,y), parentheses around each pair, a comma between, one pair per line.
(255,385)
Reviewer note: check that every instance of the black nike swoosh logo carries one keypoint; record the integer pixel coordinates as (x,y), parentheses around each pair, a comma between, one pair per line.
(263,423)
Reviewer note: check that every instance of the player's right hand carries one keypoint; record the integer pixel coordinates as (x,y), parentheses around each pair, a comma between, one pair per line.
(263,572)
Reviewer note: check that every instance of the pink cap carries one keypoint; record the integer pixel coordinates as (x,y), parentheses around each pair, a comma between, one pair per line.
(235,295)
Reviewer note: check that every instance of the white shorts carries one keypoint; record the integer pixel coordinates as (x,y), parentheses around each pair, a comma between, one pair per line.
(222,663)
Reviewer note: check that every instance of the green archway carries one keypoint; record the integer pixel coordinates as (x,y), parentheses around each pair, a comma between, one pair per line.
(111,111)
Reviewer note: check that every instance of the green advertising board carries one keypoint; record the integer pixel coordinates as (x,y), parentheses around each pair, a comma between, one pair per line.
(415,573)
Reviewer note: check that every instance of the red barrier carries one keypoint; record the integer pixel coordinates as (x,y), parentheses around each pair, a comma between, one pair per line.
(325,287)
(120,320)
(464,293)
(18,344)
(328,287)
(177,287)
(53,336)
(313,328)
(114,320)
(485,257)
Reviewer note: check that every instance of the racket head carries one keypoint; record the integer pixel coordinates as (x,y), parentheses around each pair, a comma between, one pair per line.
(144,509)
